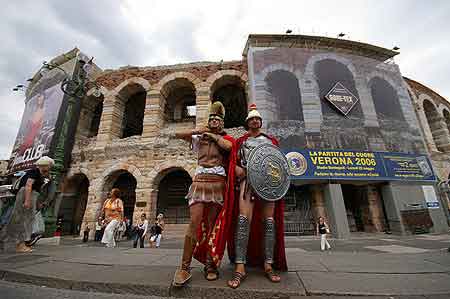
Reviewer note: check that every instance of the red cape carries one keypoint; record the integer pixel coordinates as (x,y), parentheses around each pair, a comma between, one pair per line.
(255,250)
(214,242)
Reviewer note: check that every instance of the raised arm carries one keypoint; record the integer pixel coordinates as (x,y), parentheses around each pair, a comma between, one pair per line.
(187,134)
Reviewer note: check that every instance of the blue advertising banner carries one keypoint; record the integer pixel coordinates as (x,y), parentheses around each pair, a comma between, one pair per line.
(358,165)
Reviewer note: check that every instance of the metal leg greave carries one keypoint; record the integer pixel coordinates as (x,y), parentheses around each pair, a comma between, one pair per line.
(269,239)
(241,239)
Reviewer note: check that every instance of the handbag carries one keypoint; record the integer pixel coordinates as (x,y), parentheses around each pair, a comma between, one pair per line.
(38,223)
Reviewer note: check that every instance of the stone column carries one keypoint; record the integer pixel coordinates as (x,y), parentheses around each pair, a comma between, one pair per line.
(440,133)
(426,129)
(142,205)
(337,215)
(392,201)
(376,213)
(311,104)
(367,105)
(318,202)
(111,120)
(92,212)
(153,118)
(202,105)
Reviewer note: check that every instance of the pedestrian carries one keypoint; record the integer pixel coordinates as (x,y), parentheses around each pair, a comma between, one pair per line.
(120,231)
(140,231)
(98,229)
(160,219)
(20,226)
(156,234)
(113,213)
(323,229)
(258,239)
(86,234)
(208,196)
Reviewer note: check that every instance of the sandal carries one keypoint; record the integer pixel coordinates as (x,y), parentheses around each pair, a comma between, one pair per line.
(210,273)
(272,276)
(237,279)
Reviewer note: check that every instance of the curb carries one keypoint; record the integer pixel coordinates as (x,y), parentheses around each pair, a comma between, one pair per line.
(177,292)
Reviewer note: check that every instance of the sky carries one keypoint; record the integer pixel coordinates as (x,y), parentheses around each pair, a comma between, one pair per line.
(147,33)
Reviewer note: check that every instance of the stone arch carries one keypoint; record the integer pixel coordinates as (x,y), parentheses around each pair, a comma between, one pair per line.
(316,58)
(127,102)
(141,82)
(327,69)
(445,112)
(439,130)
(122,166)
(158,176)
(178,97)
(177,75)
(279,67)
(103,91)
(230,87)
(390,84)
(224,73)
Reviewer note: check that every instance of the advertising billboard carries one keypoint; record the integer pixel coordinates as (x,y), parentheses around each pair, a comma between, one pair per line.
(325,98)
(306,164)
(37,128)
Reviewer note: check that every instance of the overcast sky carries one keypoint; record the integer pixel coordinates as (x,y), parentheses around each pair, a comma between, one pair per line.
(144,33)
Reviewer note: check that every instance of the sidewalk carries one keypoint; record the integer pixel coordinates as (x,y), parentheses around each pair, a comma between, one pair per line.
(149,272)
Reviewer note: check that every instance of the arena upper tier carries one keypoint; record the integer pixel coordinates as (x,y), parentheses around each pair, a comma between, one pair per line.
(124,137)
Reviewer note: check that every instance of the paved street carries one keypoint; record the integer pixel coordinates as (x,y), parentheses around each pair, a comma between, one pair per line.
(376,265)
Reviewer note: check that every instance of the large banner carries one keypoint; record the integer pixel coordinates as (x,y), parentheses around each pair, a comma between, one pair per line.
(37,128)
(358,165)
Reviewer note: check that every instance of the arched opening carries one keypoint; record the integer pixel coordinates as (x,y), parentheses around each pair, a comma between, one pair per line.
(73,204)
(385,99)
(446,114)
(95,122)
(90,114)
(172,190)
(134,97)
(434,122)
(126,182)
(390,116)
(284,89)
(328,73)
(230,90)
(180,98)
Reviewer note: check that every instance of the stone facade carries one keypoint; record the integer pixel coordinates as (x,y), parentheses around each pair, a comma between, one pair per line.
(102,155)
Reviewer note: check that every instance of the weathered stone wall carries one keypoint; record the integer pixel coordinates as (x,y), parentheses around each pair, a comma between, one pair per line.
(434,130)
(150,156)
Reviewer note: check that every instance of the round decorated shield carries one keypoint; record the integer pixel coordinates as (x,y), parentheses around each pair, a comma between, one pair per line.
(268,172)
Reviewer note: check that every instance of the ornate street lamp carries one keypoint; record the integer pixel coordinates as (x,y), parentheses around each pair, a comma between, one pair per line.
(78,85)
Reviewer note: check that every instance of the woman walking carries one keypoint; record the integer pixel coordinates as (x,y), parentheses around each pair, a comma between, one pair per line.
(141,231)
(323,229)
(113,211)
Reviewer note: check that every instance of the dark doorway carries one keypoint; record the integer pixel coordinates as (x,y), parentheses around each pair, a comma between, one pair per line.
(126,182)
(355,204)
(171,196)
(73,204)
(298,214)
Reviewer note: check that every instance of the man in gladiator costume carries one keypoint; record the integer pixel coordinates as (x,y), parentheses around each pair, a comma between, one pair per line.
(210,203)
(258,238)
